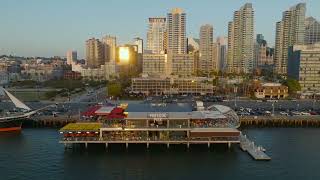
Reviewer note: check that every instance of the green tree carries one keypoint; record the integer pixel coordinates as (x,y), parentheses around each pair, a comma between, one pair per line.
(114,89)
(293,85)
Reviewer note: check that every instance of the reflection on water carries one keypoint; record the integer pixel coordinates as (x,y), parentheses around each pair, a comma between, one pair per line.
(36,154)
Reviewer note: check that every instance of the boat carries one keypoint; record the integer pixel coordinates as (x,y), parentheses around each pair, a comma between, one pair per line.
(12,121)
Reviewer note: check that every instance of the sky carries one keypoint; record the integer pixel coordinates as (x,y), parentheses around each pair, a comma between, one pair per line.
(51,27)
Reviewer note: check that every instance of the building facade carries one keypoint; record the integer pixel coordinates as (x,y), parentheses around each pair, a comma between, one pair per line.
(110,46)
(176,31)
(290,31)
(222,54)
(181,64)
(71,57)
(155,64)
(156,35)
(172,85)
(271,91)
(240,40)
(304,66)
(94,53)
(206,64)
(312,34)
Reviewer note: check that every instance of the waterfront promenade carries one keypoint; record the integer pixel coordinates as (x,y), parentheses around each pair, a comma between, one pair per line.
(280,121)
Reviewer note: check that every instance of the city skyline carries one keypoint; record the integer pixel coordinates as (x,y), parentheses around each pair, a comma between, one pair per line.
(28,34)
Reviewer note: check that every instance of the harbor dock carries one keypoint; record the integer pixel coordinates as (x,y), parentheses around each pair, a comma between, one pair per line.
(257,152)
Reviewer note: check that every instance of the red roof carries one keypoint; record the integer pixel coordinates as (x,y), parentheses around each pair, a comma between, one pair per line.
(91,111)
(116,113)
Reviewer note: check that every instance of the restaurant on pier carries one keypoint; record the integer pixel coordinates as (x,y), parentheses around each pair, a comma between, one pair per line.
(158,123)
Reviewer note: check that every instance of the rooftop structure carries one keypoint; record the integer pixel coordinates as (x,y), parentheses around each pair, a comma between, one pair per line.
(160,123)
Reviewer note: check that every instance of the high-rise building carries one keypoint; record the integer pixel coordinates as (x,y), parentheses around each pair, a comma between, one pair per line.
(127,59)
(240,40)
(206,64)
(94,53)
(304,66)
(279,64)
(110,46)
(176,31)
(230,61)
(289,31)
(222,54)
(71,57)
(312,34)
(139,44)
(156,35)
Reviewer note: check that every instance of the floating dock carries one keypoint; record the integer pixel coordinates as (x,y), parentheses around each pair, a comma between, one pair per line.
(257,152)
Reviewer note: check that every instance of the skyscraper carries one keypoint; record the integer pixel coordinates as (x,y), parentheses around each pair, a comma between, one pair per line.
(206,41)
(139,44)
(312,34)
(222,53)
(110,46)
(289,31)
(71,56)
(94,53)
(176,29)
(156,35)
(240,40)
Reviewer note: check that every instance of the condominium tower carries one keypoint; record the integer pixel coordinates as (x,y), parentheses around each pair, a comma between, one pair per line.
(71,56)
(94,53)
(240,40)
(176,31)
(206,49)
(156,35)
(110,46)
(312,34)
(289,31)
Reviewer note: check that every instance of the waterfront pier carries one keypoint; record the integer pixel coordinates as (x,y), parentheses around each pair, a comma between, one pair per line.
(256,152)
(280,121)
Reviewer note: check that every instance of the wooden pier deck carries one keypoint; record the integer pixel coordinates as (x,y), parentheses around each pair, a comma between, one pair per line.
(253,150)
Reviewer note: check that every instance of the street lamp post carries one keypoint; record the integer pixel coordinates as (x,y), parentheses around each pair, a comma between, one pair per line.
(273,108)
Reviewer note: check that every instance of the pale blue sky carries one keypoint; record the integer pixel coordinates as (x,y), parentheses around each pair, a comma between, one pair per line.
(51,27)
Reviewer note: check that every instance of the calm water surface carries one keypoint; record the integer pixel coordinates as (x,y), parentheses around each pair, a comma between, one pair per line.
(35,154)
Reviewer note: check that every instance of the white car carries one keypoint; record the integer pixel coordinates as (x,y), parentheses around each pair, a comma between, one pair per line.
(284,113)
(296,113)
(305,114)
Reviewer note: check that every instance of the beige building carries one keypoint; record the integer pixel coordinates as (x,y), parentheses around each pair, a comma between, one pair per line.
(110,46)
(240,40)
(94,53)
(304,66)
(156,35)
(180,64)
(206,60)
(176,31)
(71,57)
(271,91)
(155,64)
(289,31)
(173,85)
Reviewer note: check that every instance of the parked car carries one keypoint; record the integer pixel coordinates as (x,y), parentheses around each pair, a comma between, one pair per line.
(305,113)
(284,113)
